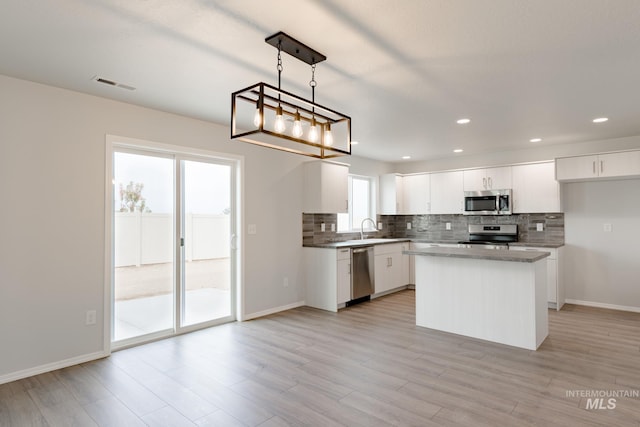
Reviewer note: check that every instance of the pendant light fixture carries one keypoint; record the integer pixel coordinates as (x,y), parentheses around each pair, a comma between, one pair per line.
(271,117)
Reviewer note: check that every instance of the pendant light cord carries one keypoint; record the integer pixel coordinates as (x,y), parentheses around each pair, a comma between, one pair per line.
(313,85)
(279,65)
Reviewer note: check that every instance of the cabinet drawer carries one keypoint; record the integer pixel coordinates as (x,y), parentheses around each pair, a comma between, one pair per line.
(344,253)
(387,248)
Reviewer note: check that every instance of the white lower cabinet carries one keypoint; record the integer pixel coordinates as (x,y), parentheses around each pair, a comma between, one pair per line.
(555,288)
(344,275)
(391,266)
(328,277)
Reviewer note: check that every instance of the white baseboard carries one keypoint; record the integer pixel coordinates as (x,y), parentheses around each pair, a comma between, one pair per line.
(272,310)
(603,305)
(392,291)
(25,373)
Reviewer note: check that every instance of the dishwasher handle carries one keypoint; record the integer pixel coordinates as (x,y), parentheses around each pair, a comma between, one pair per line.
(360,250)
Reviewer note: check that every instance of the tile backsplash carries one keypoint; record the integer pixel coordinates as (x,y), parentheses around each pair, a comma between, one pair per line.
(433,227)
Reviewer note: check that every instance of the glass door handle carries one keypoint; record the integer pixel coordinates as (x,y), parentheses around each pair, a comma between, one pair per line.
(234,242)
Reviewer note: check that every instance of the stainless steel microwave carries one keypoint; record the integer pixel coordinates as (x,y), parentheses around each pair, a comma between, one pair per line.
(489,202)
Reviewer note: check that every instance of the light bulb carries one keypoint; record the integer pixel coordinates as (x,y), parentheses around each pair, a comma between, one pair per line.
(279,125)
(313,131)
(297,126)
(257,118)
(328,138)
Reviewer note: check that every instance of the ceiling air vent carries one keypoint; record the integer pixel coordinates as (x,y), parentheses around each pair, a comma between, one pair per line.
(112,83)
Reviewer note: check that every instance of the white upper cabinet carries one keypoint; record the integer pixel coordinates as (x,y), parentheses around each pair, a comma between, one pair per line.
(415,194)
(447,195)
(535,188)
(619,164)
(487,179)
(391,194)
(606,165)
(579,167)
(325,187)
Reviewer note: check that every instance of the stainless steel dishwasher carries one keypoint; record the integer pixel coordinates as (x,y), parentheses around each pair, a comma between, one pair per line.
(362,274)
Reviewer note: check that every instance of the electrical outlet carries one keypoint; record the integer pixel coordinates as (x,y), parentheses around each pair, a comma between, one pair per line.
(539,226)
(285,283)
(252,229)
(379,226)
(408,226)
(447,226)
(90,317)
(322,227)
(333,227)
(607,228)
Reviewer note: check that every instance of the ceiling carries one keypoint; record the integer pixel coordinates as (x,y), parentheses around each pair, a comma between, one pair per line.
(405,71)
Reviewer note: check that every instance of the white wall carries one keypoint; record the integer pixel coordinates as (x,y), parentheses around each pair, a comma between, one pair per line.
(52,173)
(602,267)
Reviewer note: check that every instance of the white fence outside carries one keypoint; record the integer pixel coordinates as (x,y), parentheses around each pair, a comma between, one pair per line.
(147,238)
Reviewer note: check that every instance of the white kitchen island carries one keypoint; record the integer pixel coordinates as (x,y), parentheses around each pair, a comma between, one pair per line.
(494,295)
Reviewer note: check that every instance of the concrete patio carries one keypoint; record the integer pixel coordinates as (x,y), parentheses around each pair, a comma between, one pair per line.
(144,301)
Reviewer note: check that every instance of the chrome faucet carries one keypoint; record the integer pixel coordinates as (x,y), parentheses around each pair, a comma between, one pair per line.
(362,227)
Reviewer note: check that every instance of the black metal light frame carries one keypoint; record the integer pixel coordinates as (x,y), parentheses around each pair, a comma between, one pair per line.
(266,98)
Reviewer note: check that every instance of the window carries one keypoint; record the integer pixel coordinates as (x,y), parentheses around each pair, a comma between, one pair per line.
(361,204)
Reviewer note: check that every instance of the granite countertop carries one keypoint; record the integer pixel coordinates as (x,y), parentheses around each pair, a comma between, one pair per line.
(538,245)
(488,254)
(356,243)
(373,241)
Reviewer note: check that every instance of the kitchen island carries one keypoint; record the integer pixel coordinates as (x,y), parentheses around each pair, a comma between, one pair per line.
(494,295)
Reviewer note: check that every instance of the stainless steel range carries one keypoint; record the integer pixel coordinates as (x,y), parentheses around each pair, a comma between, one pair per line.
(491,236)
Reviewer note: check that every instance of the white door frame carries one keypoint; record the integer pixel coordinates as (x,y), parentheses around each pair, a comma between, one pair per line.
(113,143)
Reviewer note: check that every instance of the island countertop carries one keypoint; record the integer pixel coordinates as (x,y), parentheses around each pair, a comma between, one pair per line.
(488,254)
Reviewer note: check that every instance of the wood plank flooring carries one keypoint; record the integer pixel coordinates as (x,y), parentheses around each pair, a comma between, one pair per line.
(368,365)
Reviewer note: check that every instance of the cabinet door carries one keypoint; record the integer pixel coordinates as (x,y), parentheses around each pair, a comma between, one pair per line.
(447,194)
(552,280)
(574,168)
(390,194)
(405,266)
(381,273)
(397,276)
(335,188)
(619,164)
(326,187)
(416,197)
(499,178)
(474,180)
(344,280)
(535,188)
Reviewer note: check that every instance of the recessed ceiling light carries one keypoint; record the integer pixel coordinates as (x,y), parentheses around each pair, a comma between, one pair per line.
(600,120)
(354,142)
(406,157)
(535,140)
(463,121)
(458,150)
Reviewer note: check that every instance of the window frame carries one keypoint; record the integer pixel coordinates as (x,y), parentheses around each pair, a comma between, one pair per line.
(372,205)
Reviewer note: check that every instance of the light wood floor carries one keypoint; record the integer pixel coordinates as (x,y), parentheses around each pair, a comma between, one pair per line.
(368,365)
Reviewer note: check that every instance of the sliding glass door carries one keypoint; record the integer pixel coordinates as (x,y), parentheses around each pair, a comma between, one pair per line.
(173,229)
(206,260)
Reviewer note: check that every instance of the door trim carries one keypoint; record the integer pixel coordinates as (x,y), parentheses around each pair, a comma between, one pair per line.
(115,142)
